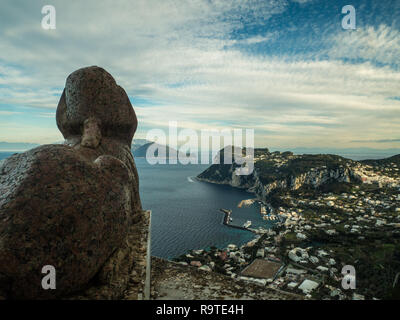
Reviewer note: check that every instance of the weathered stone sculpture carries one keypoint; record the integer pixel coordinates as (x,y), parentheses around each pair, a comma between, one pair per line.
(71,206)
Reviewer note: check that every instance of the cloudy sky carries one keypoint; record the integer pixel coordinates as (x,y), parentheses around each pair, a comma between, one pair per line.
(284,68)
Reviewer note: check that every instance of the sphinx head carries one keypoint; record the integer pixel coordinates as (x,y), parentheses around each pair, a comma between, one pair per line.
(93,106)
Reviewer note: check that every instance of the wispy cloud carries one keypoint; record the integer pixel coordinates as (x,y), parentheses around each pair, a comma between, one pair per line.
(378,44)
(8,113)
(207,64)
(378,141)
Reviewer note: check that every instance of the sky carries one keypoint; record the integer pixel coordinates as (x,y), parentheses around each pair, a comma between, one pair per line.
(285,68)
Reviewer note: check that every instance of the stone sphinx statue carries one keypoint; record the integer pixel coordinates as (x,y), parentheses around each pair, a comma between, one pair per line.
(71,206)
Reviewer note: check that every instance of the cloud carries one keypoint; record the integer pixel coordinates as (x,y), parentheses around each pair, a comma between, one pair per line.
(377,141)
(8,113)
(302,1)
(183,61)
(22,132)
(257,39)
(379,44)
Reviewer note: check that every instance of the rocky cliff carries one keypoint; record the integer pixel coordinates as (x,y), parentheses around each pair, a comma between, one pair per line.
(277,170)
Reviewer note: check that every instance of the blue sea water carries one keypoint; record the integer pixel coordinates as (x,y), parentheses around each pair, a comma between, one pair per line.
(186,211)
(4,155)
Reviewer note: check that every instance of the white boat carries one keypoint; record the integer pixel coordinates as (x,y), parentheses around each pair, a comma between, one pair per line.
(247,224)
(263,210)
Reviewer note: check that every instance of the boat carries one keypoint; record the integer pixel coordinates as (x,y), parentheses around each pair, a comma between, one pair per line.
(247,224)
(226,211)
(263,210)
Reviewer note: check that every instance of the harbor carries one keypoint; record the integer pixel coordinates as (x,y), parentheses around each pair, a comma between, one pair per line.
(266,210)
(267,214)
(228,219)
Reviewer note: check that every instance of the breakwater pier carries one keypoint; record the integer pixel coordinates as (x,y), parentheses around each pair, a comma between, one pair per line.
(227,220)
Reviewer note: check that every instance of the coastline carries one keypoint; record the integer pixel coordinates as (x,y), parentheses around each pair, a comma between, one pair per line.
(227,214)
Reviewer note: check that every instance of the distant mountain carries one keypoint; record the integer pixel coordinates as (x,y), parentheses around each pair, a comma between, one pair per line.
(137,143)
(376,162)
(17,146)
(141,151)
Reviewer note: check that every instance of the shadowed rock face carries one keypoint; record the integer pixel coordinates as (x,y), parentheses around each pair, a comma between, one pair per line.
(70,205)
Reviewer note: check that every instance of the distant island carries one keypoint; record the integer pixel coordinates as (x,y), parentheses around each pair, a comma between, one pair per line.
(141,151)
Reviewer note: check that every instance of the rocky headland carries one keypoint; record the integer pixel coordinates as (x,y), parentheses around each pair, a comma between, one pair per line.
(331,212)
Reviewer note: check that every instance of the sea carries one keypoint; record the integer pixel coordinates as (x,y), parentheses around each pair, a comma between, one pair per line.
(186,212)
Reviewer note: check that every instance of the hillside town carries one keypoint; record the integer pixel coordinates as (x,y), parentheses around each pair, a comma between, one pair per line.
(319,229)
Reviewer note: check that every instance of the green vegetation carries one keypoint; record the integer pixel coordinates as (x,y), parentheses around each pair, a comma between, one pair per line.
(395,159)
(268,171)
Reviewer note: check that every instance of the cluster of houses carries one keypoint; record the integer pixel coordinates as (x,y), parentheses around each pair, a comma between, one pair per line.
(361,210)
(383,175)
